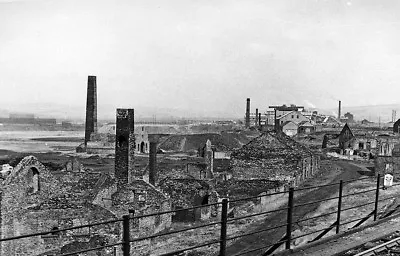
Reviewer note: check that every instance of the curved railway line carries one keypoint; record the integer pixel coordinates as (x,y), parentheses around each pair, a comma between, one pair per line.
(387,245)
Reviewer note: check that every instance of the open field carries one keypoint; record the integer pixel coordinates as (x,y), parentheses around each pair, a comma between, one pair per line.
(39,142)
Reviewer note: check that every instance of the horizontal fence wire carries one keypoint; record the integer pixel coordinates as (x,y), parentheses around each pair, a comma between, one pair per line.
(316,217)
(313,232)
(173,211)
(59,230)
(387,198)
(91,249)
(365,178)
(344,223)
(174,232)
(395,185)
(256,214)
(190,248)
(332,184)
(361,192)
(357,206)
(259,196)
(219,222)
(314,187)
(261,248)
(256,232)
(315,202)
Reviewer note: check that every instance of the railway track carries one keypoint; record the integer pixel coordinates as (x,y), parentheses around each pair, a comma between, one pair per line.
(388,245)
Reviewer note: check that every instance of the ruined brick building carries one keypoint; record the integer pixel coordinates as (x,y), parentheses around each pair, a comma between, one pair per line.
(346,138)
(35,198)
(272,159)
(389,163)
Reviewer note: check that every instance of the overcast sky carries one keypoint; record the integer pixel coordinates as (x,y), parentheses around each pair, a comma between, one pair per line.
(205,56)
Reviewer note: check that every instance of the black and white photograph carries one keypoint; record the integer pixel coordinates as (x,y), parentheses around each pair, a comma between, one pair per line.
(199,127)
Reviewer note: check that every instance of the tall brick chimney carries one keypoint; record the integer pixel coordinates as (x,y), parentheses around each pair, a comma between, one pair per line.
(209,155)
(256,122)
(125,147)
(340,110)
(259,119)
(247,113)
(91,108)
(153,175)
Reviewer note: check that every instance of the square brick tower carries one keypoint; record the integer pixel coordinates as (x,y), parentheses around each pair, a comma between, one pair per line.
(91,108)
(125,146)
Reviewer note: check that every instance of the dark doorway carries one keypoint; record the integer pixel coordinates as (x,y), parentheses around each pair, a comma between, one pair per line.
(122,142)
(142,147)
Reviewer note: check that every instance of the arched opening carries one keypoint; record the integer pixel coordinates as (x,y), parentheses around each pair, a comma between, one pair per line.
(205,200)
(121,141)
(33,180)
(142,147)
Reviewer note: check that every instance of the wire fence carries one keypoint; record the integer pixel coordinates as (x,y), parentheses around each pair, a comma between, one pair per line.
(223,222)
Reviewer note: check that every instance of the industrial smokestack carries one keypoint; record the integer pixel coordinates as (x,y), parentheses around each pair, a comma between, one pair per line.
(340,110)
(248,113)
(256,117)
(91,108)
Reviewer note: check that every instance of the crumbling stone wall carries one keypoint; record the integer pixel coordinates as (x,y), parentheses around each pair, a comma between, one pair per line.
(388,165)
(124,145)
(275,157)
(32,204)
(142,198)
(186,193)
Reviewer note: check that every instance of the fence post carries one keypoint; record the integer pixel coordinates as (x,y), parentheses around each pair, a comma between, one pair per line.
(339,208)
(377,197)
(126,247)
(289,219)
(224,220)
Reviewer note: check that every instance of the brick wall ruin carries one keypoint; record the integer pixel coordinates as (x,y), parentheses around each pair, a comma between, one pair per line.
(124,145)
(35,200)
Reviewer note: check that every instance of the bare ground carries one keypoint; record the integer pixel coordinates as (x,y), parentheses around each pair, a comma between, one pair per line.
(259,240)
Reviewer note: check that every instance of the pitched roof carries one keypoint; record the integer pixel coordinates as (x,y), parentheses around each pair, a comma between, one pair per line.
(305,123)
(270,145)
(287,122)
(285,114)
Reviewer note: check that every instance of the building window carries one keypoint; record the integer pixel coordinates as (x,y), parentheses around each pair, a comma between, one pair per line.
(33,180)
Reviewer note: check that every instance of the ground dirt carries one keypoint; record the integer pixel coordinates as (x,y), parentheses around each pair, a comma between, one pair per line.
(347,171)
